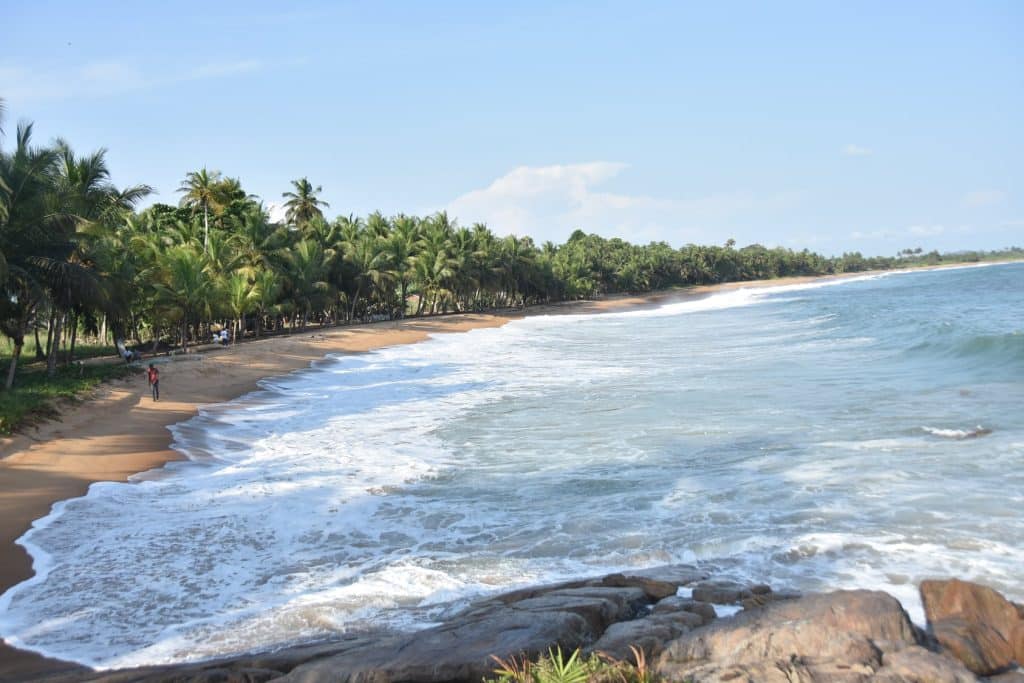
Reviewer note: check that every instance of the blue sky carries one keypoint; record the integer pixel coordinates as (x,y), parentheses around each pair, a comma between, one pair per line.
(833,126)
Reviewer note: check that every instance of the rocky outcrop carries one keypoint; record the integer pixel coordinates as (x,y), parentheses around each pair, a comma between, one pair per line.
(841,636)
(975,624)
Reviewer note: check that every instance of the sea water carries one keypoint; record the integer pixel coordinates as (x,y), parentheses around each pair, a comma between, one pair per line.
(866,432)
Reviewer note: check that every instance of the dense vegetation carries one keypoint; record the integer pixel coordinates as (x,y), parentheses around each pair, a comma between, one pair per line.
(77,259)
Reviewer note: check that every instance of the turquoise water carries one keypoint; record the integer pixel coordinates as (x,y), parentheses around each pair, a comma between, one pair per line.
(866,433)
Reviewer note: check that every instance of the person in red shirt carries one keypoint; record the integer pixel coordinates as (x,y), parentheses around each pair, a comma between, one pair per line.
(154,381)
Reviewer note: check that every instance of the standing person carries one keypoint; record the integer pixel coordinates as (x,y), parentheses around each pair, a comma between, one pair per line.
(154,381)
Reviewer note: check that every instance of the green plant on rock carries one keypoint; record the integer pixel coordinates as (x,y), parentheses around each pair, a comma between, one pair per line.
(556,668)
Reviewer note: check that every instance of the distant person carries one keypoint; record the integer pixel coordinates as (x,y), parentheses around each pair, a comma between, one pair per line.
(154,381)
(224,337)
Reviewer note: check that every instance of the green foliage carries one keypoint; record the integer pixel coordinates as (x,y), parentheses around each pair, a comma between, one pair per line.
(556,668)
(37,396)
(75,257)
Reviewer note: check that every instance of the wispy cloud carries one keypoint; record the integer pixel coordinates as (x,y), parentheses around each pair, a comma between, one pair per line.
(978,198)
(852,150)
(548,202)
(106,77)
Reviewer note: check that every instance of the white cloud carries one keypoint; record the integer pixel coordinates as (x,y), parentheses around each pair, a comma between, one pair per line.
(852,150)
(549,202)
(104,77)
(984,198)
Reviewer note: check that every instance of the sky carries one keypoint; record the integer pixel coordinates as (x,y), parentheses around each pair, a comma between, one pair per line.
(856,126)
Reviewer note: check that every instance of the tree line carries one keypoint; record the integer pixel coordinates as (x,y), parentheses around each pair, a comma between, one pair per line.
(77,256)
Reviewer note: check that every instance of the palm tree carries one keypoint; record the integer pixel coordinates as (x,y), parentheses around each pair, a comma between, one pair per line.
(33,237)
(201,191)
(369,262)
(400,249)
(241,296)
(267,290)
(302,205)
(185,290)
(308,268)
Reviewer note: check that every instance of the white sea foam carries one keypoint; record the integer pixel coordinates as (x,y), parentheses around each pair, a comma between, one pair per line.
(780,442)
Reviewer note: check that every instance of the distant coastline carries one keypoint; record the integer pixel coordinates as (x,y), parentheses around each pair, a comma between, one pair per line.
(121,432)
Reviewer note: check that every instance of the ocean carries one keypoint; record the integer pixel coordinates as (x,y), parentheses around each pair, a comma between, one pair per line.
(865,432)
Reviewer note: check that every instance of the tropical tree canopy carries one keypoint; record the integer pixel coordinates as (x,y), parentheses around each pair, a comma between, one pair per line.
(75,249)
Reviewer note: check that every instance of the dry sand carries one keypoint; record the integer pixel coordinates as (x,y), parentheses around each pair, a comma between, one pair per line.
(121,431)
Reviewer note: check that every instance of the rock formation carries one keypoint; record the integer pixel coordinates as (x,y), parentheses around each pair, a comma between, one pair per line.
(844,636)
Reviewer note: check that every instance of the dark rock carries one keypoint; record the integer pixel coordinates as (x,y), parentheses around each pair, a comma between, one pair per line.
(679,574)
(462,649)
(649,634)
(975,624)
(680,604)
(815,638)
(720,592)
(655,589)
(761,599)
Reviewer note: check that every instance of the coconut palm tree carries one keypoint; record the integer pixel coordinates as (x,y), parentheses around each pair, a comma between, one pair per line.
(303,205)
(400,249)
(33,237)
(241,296)
(201,191)
(267,291)
(186,290)
(368,260)
(308,269)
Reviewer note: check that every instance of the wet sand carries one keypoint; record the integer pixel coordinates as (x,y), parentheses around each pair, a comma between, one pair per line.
(121,431)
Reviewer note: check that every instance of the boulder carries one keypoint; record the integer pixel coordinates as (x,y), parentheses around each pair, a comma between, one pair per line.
(819,637)
(918,665)
(975,624)
(679,574)
(677,603)
(654,588)
(528,624)
(721,592)
(649,634)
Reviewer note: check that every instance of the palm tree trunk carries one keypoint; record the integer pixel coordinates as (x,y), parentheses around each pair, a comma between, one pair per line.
(49,333)
(51,360)
(74,338)
(206,227)
(184,334)
(355,299)
(39,347)
(14,363)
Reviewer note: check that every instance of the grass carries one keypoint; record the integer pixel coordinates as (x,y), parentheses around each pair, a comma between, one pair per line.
(556,668)
(82,350)
(36,397)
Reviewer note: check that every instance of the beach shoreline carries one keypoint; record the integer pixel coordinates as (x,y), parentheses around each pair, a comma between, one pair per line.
(121,432)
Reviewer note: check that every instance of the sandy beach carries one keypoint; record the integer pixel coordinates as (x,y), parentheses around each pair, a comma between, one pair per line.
(121,431)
